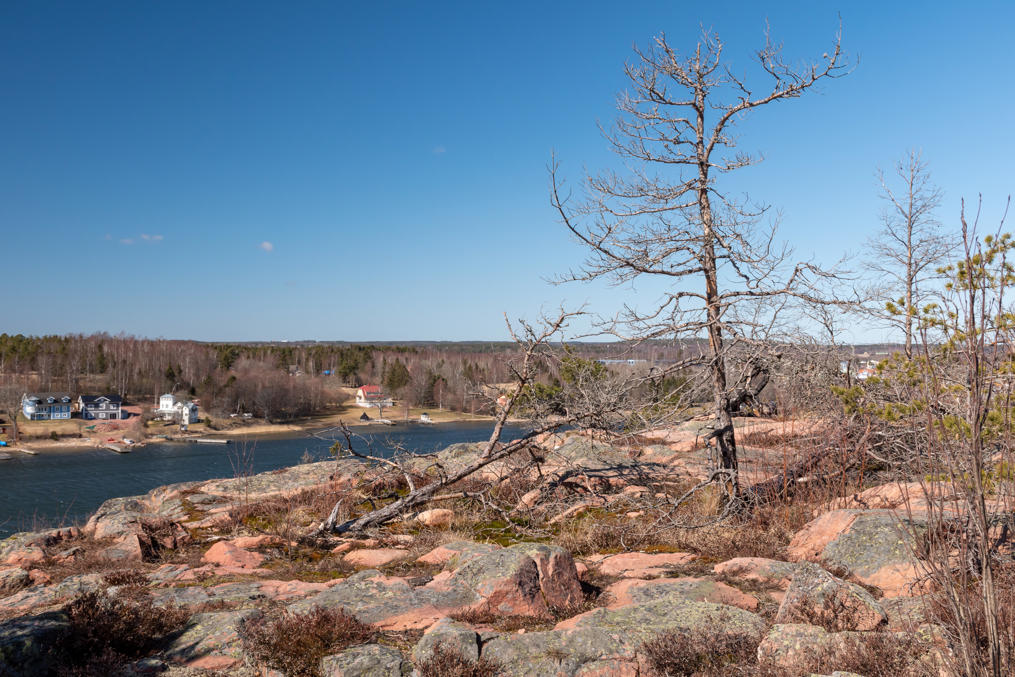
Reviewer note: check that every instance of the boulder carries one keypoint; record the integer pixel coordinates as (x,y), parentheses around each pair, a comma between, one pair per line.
(118,518)
(873,546)
(225,554)
(367,660)
(817,597)
(378,557)
(526,579)
(437,517)
(450,634)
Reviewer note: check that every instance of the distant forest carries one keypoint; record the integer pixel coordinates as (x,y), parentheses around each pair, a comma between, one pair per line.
(276,381)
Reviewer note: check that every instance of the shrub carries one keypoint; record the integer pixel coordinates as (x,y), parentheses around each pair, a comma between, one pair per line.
(127,577)
(708,652)
(295,643)
(107,632)
(446,661)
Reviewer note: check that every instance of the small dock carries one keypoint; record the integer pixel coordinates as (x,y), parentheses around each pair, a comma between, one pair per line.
(25,450)
(209,440)
(120,449)
(5,457)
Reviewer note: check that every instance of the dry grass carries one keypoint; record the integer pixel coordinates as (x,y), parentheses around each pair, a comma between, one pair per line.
(295,643)
(447,662)
(106,633)
(709,652)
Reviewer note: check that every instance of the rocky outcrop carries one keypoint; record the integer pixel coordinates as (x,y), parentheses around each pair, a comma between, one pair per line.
(211,640)
(817,597)
(605,640)
(27,644)
(873,546)
(458,637)
(525,580)
(367,660)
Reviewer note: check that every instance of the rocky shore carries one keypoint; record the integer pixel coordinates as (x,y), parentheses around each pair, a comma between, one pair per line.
(225,555)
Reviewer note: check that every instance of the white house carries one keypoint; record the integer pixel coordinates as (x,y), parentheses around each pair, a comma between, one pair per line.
(372,396)
(172,409)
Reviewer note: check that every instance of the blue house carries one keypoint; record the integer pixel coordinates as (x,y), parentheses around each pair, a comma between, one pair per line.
(102,407)
(46,406)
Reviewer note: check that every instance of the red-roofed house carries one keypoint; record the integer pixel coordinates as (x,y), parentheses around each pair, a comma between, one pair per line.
(372,396)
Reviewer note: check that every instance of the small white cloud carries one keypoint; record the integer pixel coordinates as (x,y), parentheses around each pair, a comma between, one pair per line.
(126,240)
(151,238)
(439,150)
(267,246)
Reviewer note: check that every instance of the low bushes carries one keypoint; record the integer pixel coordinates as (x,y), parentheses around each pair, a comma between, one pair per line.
(107,632)
(295,643)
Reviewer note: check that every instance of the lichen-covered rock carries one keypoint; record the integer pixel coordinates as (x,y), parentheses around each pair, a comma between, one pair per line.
(27,644)
(552,653)
(211,640)
(455,554)
(636,591)
(367,660)
(38,597)
(508,581)
(817,597)
(558,575)
(26,548)
(769,573)
(12,580)
(284,481)
(608,639)
(874,546)
(450,634)
(801,648)
(118,518)
(388,602)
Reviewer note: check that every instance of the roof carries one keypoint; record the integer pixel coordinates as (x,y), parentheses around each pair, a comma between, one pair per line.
(370,389)
(42,397)
(88,399)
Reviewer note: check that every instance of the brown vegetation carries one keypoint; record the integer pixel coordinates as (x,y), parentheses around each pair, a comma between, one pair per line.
(295,643)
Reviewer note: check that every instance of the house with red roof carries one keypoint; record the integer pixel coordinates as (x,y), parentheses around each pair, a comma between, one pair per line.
(372,396)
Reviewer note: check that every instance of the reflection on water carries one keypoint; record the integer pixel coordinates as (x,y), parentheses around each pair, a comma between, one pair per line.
(58,487)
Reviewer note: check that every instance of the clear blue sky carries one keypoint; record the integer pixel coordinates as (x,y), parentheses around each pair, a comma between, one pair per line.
(358,171)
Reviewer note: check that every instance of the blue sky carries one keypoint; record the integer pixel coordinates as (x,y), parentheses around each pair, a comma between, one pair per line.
(377,171)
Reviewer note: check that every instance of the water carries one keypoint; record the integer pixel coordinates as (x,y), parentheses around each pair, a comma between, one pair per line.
(65,487)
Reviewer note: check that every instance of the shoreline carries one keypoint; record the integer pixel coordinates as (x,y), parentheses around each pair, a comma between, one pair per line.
(258,429)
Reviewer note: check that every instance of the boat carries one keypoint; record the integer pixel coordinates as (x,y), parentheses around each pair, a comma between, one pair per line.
(425,419)
(117,448)
(209,440)
(384,421)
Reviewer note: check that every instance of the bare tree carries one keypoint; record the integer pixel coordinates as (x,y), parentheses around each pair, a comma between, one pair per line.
(668,217)
(910,244)
(534,344)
